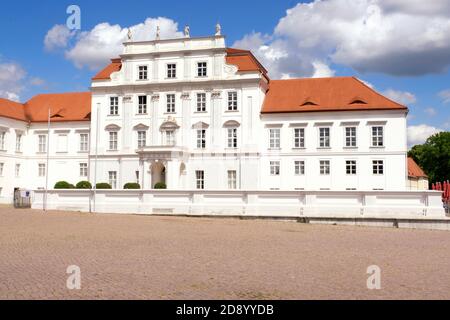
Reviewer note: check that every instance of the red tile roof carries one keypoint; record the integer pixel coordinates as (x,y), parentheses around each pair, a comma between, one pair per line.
(74,106)
(324,94)
(244,60)
(105,74)
(414,171)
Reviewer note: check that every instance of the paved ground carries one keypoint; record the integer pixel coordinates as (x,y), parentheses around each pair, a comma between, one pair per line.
(137,257)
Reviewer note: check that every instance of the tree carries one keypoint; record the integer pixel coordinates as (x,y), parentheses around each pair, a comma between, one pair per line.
(434,156)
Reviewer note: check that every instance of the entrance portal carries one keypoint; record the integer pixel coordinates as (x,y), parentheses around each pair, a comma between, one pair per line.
(158,173)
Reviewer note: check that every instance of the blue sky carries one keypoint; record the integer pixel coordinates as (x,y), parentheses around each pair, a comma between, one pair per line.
(408,62)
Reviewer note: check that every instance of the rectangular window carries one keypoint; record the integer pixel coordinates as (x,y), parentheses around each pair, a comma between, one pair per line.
(113,179)
(350,167)
(378,167)
(84,142)
(202,70)
(169,138)
(83,170)
(113,141)
(200,179)
(142,139)
(201,102)
(299,168)
(299,138)
(274,168)
(41,169)
(62,142)
(2,166)
(2,140)
(232,101)
(232,180)
(19,143)
(170,103)
(17,171)
(114,106)
(324,137)
(42,143)
(201,139)
(232,138)
(324,167)
(350,137)
(377,136)
(171,71)
(142,106)
(274,138)
(143,72)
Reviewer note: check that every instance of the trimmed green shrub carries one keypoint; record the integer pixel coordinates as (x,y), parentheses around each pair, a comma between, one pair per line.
(84,185)
(160,185)
(103,186)
(63,185)
(132,185)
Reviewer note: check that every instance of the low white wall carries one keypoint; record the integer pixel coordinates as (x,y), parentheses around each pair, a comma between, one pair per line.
(345,204)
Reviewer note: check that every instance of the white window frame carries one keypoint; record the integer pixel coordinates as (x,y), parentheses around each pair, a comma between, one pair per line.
(232,138)
(275,168)
(202,69)
(378,167)
(274,138)
(201,139)
(351,136)
(351,167)
(113,141)
(143,72)
(325,167)
(2,140)
(112,178)
(141,139)
(17,170)
(377,140)
(200,179)
(232,104)
(113,106)
(41,170)
(201,102)
(83,170)
(19,137)
(324,139)
(42,143)
(142,105)
(171,103)
(169,138)
(171,70)
(232,179)
(299,167)
(299,138)
(84,142)
(2,167)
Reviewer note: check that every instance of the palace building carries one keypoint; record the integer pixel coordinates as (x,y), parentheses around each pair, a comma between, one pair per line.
(195,114)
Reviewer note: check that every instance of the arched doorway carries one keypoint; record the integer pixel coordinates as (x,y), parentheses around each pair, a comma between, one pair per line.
(158,173)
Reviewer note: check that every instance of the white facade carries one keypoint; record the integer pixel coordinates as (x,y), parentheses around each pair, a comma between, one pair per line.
(234,151)
(177,113)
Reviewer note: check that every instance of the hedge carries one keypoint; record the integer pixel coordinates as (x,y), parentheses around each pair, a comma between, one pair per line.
(132,185)
(160,185)
(84,185)
(64,185)
(103,186)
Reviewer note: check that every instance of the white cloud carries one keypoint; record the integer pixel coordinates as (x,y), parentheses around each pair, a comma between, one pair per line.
(57,37)
(420,133)
(445,95)
(93,49)
(430,111)
(402,97)
(387,36)
(322,70)
(11,77)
